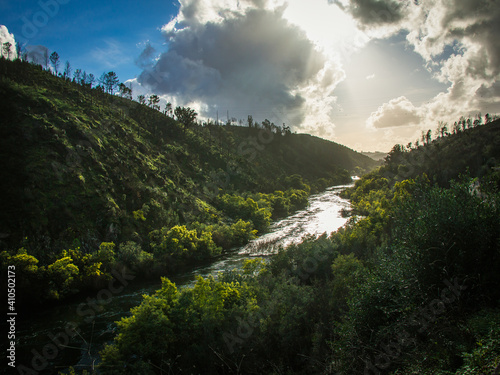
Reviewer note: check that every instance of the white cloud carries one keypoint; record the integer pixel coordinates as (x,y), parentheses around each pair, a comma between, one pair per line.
(6,37)
(371,76)
(397,112)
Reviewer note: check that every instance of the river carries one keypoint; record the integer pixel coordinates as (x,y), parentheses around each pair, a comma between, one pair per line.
(44,345)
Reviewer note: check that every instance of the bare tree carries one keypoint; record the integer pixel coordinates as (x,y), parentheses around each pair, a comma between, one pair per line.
(77,77)
(67,70)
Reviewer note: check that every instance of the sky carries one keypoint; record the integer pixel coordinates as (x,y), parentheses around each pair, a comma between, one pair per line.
(364,73)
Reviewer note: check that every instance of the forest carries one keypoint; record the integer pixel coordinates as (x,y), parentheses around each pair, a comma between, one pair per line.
(409,286)
(94,183)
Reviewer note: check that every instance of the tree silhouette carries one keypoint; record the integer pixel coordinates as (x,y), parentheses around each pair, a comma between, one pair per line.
(90,80)
(77,76)
(153,102)
(7,47)
(141,99)
(54,60)
(169,109)
(428,136)
(250,121)
(109,81)
(125,92)
(67,70)
(186,116)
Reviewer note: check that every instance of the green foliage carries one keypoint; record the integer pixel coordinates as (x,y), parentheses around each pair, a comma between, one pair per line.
(484,358)
(183,329)
(181,243)
(236,234)
(440,237)
(132,255)
(105,255)
(238,207)
(186,116)
(62,274)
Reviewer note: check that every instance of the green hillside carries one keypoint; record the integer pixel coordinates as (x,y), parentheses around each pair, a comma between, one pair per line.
(81,167)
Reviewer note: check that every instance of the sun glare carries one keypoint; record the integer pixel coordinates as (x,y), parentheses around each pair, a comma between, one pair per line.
(331,29)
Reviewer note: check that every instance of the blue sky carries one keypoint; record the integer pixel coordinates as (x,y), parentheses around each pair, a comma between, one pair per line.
(364,73)
(96,36)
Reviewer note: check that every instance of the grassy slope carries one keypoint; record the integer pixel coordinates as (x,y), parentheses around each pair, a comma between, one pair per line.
(78,163)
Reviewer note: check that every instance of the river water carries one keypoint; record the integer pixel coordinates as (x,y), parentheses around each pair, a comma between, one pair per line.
(45,346)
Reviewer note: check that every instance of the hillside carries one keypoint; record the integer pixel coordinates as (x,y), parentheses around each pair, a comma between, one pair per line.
(81,167)
(476,150)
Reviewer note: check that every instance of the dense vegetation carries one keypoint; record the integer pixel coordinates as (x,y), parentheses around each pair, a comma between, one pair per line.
(92,181)
(409,287)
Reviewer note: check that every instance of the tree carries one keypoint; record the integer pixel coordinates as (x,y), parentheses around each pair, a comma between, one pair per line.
(168,109)
(84,78)
(77,77)
(185,115)
(478,121)
(109,81)
(141,99)
(250,121)
(428,136)
(54,60)
(67,70)
(469,123)
(442,128)
(153,102)
(125,92)
(90,80)
(7,47)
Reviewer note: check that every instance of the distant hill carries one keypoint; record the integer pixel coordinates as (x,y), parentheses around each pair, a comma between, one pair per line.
(80,163)
(376,155)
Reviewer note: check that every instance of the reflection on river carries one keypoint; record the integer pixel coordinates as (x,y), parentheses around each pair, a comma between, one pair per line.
(96,323)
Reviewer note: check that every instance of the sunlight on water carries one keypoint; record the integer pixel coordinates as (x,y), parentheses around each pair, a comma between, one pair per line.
(323,215)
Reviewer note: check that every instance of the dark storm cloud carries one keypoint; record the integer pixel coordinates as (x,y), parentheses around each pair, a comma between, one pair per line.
(250,60)
(374,12)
